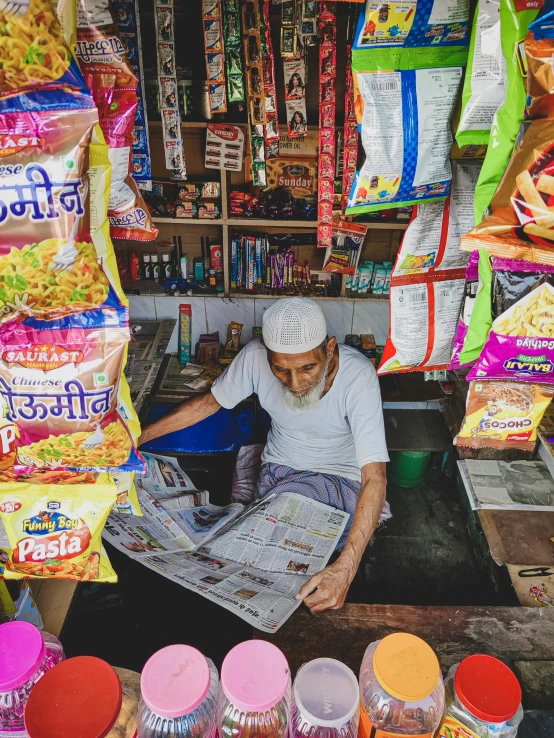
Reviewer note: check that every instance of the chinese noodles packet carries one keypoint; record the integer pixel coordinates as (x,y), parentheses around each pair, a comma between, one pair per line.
(55,530)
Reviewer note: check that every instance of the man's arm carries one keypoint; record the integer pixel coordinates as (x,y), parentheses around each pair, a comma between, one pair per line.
(189,413)
(327,590)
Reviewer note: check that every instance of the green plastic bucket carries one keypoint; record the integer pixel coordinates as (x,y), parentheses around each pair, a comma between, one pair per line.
(408,468)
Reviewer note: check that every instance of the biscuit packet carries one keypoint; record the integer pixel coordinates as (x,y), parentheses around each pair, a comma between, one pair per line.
(503,415)
(55,531)
(520,345)
(521,222)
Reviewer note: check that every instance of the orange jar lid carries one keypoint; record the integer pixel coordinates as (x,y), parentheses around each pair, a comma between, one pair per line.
(406,667)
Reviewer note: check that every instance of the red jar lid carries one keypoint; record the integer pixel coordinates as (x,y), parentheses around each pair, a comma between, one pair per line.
(487,688)
(79,698)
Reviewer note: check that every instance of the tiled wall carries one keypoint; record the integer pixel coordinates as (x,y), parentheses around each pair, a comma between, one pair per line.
(214,314)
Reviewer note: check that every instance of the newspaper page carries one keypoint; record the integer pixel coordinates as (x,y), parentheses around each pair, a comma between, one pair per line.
(165,478)
(503,485)
(256,565)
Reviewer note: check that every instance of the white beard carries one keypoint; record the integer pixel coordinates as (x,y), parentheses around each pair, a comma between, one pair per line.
(311,398)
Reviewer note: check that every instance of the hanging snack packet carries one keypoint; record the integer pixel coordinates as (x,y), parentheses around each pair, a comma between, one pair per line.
(49,265)
(515,17)
(468,303)
(484,85)
(480,319)
(539,51)
(503,415)
(60,389)
(55,531)
(404,118)
(424,315)
(432,241)
(520,344)
(521,224)
(113,85)
(412,24)
(33,52)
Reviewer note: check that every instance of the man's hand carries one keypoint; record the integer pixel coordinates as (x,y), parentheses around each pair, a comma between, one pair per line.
(327,590)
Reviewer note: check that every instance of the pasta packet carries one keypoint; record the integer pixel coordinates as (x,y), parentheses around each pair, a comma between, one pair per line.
(108,75)
(521,224)
(503,415)
(50,266)
(520,345)
(470,293)
(33,52)
(60,388)
(55,531)
(399,98)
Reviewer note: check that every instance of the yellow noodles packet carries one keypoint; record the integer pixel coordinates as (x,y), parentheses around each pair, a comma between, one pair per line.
(55,531)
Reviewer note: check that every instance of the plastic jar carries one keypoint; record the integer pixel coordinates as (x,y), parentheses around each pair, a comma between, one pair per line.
(178,694)
(325,701)
(401,687)
(26,655)
(483,696)
(255,692)
(81,697)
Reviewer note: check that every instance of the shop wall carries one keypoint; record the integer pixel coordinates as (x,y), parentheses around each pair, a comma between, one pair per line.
(214,314)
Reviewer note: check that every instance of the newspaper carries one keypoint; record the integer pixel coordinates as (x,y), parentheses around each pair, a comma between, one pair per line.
(255,565)
(164,478)
(503,485)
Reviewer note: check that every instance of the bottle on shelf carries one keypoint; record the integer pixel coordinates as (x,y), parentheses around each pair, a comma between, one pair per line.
(156,268)
(167,266)
(185,266)
(146,267)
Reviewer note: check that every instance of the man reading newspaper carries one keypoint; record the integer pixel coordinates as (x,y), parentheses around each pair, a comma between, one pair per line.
(327,438)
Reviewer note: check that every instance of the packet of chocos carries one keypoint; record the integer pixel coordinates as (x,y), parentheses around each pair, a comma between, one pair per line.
(60,388)
(50,267)
(108,75)
(503,415)
(521,223)
(55,530)
(33,52)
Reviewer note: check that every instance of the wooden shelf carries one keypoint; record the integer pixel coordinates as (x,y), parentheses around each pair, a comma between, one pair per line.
(190,221)
(262,223)
(382,298)
(184,124)
(253,222)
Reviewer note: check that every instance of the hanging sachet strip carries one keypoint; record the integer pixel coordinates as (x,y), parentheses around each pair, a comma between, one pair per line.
(233,56)
(214,48)
(167,81)
(271,131)
(350,142)
(255,93)
(327,26)
(126,16)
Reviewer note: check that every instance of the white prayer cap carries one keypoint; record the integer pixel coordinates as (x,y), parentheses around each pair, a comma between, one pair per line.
(294,325)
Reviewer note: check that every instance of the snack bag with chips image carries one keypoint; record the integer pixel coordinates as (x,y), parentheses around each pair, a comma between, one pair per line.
(503,415)
(521,224)
(55,530)
(520,345)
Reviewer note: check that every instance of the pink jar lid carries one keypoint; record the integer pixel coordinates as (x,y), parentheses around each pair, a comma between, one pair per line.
(255,676)
(175,681)
(21,654)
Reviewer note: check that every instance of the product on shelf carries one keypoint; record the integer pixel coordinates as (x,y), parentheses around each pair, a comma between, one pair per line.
(503,414)
(277,204)
(232,346)
(55,530)
(215,54)
(393,701)
(178,694)
(185,333)
(99,707)
(325,701)
(255,694)
(343,253)
(483,697)
(27,654)
(187,200)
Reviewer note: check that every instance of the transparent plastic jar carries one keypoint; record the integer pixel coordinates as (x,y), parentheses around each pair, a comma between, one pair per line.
(484,696)
(325,701)
(401,687)
(178,695)
(26,654)
(81,697)
(255,692)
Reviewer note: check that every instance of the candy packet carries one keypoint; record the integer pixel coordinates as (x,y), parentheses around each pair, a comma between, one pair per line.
(60,388)
(55,531)
(520,345)
(503,415)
